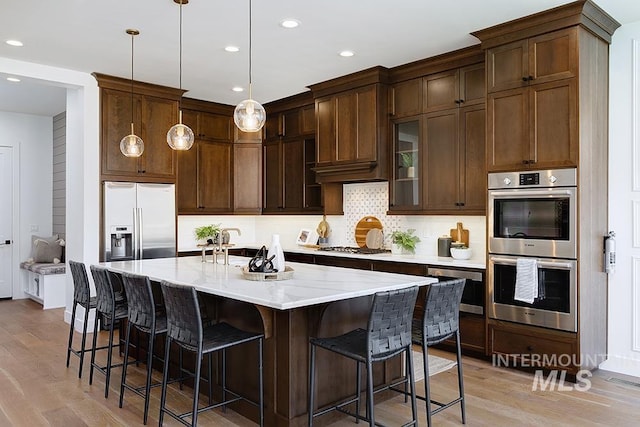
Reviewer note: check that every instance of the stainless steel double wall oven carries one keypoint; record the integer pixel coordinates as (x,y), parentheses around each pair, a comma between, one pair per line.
(533,214)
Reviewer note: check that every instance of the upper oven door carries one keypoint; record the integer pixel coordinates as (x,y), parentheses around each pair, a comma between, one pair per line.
(533,222)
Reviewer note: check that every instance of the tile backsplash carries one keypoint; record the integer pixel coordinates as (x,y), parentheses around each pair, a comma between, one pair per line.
(359,200)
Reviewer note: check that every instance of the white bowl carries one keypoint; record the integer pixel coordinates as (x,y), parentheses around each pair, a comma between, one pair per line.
(461,253)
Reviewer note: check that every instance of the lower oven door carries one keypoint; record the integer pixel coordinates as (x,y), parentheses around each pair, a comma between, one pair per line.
(474,293)
(556,279)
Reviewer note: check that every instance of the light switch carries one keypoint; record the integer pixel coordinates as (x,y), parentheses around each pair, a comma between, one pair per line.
(34,227)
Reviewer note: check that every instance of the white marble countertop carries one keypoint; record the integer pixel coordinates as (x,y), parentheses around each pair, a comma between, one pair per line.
(311,284)
(477,261)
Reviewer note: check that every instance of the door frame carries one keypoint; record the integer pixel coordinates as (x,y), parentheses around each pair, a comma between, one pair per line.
(16,285)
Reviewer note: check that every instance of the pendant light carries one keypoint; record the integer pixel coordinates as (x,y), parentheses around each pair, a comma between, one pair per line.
(132,145)
(249,115)
(180,136)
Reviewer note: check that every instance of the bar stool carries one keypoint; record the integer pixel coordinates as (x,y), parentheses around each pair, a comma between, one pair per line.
(81,297)
(110,311)
(144,316)
(186,329)
(388,334)
(440,322)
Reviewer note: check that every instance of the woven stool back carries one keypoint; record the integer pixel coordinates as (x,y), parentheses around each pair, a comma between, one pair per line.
(81,290)
(441,310)
(142,309)
(184,321)
(389,326)
(105,297)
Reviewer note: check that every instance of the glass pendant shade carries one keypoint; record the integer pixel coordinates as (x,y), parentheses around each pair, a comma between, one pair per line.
(249,115)
(132,145)
(180,137)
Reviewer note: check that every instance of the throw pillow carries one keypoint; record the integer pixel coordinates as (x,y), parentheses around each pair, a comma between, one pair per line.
(47,250)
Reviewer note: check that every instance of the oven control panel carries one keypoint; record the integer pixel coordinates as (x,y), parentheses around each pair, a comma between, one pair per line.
(533,179)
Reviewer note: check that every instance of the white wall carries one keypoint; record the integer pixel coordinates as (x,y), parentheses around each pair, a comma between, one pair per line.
(624,201)
(82,193)
(31,137)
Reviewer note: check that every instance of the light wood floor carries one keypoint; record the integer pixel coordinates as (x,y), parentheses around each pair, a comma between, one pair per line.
(36,389)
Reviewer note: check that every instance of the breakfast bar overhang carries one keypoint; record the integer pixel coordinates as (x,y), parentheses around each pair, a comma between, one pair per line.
(316,301)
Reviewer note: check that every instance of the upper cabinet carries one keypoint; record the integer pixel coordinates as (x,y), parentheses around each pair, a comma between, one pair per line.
(222,172)
(289,151)
(438,131)
(533,102)
(351,127)
(542,84)
(155,110)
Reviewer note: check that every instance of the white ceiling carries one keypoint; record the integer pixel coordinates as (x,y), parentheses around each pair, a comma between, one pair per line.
(89,36)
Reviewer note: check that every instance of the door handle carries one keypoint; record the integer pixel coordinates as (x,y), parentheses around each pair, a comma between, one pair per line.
(6,242)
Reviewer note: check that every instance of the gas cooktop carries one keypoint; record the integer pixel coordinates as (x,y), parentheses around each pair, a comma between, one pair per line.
(353,250)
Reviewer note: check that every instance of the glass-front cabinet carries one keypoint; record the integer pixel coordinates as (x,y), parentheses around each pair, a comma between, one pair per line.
(405,187)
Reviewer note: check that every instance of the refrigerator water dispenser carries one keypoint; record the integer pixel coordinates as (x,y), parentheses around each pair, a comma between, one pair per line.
(121,243)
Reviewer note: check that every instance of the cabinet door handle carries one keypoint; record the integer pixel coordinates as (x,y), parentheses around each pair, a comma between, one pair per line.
(529,348)
(457,101)
(461,101)
(524,79)
(530,78)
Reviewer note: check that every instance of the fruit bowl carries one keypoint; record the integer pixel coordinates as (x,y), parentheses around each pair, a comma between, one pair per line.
(461,253)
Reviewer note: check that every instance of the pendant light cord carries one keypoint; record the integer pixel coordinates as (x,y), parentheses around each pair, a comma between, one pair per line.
(132,36)
(250,96)
(180,67)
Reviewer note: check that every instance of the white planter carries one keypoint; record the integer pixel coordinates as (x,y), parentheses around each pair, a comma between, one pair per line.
(396,249)
(411,172)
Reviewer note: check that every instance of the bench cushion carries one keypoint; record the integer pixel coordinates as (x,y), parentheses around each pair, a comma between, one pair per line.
(44,268)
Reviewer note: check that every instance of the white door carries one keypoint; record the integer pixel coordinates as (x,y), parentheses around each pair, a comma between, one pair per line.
(6,225)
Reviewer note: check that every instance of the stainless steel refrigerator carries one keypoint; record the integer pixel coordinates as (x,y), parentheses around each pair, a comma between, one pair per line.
(139,221)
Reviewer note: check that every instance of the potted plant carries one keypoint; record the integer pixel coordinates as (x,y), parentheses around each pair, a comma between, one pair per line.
(406,159)
(404,241)
(207,233)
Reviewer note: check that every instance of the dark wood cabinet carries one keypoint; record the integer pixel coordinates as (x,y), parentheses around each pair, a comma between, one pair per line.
(209,126)
(533,102)
(535,126)
(439,155)
(351,127)
(540,59)
(152,117)
(289,158)
(222,173)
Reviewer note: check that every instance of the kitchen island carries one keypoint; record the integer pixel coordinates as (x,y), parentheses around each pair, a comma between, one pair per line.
(317,301)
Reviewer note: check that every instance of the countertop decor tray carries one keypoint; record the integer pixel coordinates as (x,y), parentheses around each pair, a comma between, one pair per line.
(264,277)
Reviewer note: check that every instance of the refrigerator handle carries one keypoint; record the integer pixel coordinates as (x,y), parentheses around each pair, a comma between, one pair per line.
(136,243)
(140,236)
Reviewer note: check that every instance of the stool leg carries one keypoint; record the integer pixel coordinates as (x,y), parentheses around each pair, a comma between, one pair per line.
(312,383)
(460,376)
(93,350)
(109,358)
(427,389)
(358,391)
(210,369)
(370,393)
(147,387)
(73,321)
(196,387)
(412,384)
(84,340)
(261,381)
(165,379)
(125,363)
(224,379)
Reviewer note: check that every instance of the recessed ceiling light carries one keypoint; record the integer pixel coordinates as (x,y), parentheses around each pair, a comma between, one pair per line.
(346,53)
(237,89)
(289,23)
(17,43)
(13,79)
(231,49)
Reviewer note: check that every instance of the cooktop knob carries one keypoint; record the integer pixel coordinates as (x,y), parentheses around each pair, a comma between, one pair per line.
(506,181)
(552,179)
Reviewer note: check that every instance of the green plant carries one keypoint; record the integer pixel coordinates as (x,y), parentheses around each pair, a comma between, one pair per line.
(207,231)
(405,239)
(406,159)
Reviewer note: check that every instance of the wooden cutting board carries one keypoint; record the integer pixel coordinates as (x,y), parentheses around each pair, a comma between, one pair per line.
(362,228)
(464,234)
